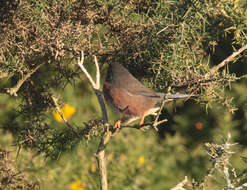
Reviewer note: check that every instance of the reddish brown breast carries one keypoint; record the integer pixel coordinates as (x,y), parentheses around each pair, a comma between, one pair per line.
(131,105)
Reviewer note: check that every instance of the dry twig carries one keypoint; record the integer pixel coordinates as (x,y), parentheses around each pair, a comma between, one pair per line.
(180,185)
(227,60)
(54,100)
(165,100)
(13,91)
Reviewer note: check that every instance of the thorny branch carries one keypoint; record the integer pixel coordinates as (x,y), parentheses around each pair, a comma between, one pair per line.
(227,60)
(207,78)
(13,91)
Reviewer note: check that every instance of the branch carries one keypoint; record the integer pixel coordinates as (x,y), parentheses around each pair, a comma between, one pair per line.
(58,109)
(96,86)
(180,185)
(97,73)
(227,60)
(55,104)
(100,155)
(80,63)
(14,90)
(165,100)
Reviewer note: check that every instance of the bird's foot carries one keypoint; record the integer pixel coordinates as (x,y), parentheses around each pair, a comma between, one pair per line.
(140,125)
(117,125)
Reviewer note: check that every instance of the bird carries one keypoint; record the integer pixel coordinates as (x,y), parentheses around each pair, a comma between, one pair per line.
(128,96)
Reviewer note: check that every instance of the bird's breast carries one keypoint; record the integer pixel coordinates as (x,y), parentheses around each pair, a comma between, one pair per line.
(127,103)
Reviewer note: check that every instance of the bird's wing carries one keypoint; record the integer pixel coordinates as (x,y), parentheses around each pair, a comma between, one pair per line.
(149,94)
(143,92)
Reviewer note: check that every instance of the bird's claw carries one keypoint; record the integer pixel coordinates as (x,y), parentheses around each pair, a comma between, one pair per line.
(117,125)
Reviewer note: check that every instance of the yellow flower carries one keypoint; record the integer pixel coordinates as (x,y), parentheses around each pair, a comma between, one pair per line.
(76,185)
(67,111)
(141,161)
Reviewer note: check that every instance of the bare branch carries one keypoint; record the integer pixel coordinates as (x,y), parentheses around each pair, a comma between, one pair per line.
(14,90)
(165,100)
(80,63)
(97,72)
(180,185)
(100,155)
(95,85)
(227,60)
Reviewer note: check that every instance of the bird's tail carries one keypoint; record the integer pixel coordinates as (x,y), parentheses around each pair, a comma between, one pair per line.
(177,96)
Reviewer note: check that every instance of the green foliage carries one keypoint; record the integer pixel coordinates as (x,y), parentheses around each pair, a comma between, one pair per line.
(164,44)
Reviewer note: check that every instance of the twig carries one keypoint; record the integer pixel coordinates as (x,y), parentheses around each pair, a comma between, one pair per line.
(227,60)
(97,73)
(156,121)
(58,109)
(14,90)
(100,155)
(80,63)
(207,77)
(180,185)
(165,100)
(162,30)
(62,116)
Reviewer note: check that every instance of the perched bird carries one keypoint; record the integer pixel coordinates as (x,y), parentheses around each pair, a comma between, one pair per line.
(125,94)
